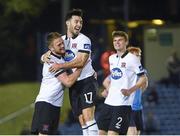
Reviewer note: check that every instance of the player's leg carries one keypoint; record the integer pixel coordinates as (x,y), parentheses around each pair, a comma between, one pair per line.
(83,125)
(91,124)
(36,120)
(76,107)
(104,119)
(47,114)
(112,133)
(138,118)
(120,120)
(132,130)
(88,97)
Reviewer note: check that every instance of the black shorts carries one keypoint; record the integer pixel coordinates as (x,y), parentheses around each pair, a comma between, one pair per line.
(83,94)
(45,119)
(114,118)
(137,119)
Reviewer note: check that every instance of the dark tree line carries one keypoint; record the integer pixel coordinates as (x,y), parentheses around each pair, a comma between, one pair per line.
(20,20)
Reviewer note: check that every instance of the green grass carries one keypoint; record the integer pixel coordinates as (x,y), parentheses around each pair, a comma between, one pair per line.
(16,96)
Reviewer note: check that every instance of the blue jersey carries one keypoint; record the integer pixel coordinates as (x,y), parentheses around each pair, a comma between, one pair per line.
(137,102)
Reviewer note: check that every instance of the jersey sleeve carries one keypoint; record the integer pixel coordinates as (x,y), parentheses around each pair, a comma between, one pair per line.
(137,66)
(84,45)
(59,72)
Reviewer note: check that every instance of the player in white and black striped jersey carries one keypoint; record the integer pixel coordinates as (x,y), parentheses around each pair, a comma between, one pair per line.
(50,97)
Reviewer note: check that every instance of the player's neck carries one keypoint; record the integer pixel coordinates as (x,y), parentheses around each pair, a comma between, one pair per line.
(56,54)
(71,35)
(121,52)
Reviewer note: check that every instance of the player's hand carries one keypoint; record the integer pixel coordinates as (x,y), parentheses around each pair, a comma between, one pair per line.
(46,57)
(144,86)
(126,92)
(95,75)
(55,67)
(104,93)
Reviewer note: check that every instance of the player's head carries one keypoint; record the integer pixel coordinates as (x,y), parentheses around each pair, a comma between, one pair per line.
(55,43)
(120,40)
(74,22)
(135,50)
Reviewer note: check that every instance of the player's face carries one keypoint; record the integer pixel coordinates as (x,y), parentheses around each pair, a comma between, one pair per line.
(58,46)
(75,25)
(119,43)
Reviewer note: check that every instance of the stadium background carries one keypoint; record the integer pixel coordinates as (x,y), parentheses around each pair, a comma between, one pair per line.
(154,26)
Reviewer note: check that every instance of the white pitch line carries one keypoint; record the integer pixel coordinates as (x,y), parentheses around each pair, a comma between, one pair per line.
(15,114)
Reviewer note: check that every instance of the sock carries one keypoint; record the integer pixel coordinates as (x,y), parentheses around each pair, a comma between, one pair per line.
(92,127)
(85,130)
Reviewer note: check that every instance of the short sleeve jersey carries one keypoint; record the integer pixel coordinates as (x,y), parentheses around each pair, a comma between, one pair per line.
(51,89)
(137,102)
(81,43)
(124,71)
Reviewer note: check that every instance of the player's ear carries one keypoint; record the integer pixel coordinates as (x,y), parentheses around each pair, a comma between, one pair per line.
(67,22)
(127,42)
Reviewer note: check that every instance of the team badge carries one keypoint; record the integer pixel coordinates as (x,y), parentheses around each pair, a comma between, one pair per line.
(74,45)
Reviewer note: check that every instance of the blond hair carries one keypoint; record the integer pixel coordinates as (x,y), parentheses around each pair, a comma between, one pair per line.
(51,37)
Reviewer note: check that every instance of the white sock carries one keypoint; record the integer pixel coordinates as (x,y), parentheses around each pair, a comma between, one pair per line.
(92,127)
(85,130)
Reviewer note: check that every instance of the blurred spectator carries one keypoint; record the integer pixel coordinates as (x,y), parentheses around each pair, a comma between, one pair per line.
(105,62)
(152,123)
(152,97)
(173,67)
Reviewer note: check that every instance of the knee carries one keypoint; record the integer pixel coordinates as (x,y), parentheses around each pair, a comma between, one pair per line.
(88,114)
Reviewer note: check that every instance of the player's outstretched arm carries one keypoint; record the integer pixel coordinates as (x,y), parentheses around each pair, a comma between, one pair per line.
(69,80)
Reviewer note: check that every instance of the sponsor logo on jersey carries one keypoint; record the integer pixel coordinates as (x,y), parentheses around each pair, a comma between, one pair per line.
(87,46)
(74,45)
(116,73)
(69,55)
